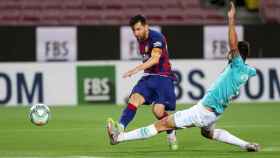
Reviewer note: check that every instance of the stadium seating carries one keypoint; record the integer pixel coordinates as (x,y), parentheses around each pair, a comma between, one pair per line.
(270,11)
(105,12)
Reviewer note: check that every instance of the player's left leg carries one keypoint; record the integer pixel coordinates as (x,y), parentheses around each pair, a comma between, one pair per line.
(129,112)
(224,136)
(139,95)
(159,112)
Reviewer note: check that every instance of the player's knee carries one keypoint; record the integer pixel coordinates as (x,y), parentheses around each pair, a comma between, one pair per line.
(159,114)
(207,133)
(162,124)
(136,99)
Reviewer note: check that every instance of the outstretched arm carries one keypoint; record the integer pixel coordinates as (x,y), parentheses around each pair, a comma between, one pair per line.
(154,59)
(232,35)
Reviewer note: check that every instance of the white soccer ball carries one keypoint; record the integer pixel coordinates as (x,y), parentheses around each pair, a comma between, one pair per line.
(39,114)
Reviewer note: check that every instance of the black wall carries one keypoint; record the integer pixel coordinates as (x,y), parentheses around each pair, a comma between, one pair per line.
(264,40)
(184,42)
(98,43)
(103,42)
(17,44)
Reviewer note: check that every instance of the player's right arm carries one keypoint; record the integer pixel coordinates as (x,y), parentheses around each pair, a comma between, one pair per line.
(232,35)
(154,59)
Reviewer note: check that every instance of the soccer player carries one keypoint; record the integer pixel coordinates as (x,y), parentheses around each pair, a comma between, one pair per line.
(156,87)
(208,110)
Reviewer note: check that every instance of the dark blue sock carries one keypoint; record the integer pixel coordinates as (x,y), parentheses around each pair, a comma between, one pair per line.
(169,131)
(128,114)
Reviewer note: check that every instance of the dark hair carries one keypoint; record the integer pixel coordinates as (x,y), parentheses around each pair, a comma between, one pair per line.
(244,49)
(136,19)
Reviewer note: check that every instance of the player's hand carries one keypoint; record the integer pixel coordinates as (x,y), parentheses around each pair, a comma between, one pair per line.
(232,11)
(129,73)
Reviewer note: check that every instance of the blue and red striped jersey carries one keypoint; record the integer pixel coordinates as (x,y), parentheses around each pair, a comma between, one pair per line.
(156,40)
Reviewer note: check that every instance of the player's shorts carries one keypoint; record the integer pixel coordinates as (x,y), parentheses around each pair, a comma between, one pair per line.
(157,90)
(197,116)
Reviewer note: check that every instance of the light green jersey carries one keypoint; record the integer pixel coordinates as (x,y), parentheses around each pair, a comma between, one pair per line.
(228,84)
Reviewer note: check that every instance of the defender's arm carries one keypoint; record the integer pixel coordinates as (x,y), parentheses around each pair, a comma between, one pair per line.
(232,35)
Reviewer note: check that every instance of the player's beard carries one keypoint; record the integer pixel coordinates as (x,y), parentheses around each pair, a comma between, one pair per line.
(142,38)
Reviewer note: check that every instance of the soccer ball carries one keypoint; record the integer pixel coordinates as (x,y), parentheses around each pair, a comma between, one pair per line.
(39,114)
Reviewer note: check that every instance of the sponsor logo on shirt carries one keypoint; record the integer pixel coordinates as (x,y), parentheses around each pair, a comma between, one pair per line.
(157,44)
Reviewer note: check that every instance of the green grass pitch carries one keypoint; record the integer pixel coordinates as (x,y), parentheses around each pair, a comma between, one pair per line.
(79,132)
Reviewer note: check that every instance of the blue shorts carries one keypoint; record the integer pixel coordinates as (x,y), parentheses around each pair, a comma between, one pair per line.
(157,90)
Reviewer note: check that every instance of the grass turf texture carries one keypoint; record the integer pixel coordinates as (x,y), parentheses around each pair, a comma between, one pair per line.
(79,132)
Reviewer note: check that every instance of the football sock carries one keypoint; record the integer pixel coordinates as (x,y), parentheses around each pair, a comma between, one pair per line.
(170,132)
(128,114)
(171,135)
(224,136)
(140,133)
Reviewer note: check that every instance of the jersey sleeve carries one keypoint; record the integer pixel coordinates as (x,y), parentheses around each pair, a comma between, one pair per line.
(237,60)
(252,71)
(157,41)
